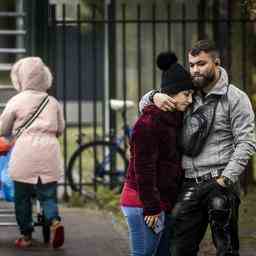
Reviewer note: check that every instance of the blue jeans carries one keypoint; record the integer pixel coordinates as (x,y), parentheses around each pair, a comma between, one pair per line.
(45,193)
(143,241)
(166,238)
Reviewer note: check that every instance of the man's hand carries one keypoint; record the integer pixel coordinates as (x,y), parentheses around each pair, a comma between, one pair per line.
(164,102)
(225,181)
(220,181)
(151,220)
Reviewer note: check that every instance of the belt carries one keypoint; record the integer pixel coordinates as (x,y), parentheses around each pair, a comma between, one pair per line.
(206,177)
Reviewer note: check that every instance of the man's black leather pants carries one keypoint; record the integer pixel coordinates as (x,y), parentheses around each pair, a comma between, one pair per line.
(199,205)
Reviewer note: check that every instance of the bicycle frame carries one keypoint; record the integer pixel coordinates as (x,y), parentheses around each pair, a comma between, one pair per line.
(126,134)
(117,142)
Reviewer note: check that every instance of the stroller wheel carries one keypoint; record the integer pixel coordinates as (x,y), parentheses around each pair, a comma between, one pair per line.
(46,233)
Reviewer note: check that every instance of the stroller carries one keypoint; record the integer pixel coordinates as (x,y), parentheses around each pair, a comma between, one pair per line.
(7,215)
(6,199)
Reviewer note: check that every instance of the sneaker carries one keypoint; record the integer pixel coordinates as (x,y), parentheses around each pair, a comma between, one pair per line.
(57,234)
(23,242)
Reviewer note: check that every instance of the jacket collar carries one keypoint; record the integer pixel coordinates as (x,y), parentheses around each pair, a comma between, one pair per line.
(221,86)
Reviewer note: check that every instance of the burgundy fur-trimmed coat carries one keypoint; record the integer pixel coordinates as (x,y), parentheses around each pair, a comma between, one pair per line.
(155,168)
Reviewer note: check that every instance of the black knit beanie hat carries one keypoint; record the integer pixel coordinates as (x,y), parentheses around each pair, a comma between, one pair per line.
(175,78)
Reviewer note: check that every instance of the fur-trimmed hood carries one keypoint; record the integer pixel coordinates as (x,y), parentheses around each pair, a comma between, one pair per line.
(31,74)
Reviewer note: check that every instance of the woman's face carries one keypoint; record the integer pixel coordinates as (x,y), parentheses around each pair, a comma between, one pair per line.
(183,100)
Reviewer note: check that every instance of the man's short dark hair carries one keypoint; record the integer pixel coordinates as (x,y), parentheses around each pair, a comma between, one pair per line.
(206,46)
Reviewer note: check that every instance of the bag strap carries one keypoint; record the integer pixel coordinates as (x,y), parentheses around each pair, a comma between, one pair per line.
(28,122)
(213,116)
(215,107)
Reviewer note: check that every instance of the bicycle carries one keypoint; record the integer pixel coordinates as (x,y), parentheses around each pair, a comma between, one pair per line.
(100,162)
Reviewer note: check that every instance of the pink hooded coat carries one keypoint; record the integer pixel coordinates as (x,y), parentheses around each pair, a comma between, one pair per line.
(36,152)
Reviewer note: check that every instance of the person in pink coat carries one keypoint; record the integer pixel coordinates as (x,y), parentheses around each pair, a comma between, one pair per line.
(36,163)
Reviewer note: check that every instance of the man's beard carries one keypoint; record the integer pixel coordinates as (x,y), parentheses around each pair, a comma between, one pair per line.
(202,81)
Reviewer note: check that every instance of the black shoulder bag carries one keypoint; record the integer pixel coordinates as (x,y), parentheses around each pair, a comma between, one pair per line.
(197,126)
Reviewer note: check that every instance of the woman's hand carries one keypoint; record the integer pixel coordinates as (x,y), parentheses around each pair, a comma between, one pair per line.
(151,220)
(164,102)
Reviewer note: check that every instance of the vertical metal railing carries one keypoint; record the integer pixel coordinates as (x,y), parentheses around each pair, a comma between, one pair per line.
(112,63)
(64,86)
(79,91)
(20,42)
(95,71)
(169,31)
(200,20)
(139,52)
(52,39)
(244,50)
(244,37)
(229,38)
(154,45)
(94,94)
(184,40)
(124,64)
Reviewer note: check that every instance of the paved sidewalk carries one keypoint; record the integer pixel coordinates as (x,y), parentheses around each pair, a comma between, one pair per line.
(88,232)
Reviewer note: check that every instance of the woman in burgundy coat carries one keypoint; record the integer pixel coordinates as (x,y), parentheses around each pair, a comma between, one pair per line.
(154,170)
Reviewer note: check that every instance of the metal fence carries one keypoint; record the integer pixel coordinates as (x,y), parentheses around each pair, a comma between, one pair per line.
(111,54)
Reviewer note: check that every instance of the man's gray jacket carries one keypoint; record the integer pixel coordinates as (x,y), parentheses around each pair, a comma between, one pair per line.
(231,141)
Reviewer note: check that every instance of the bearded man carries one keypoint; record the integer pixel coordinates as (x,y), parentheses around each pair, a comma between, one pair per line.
(210,189)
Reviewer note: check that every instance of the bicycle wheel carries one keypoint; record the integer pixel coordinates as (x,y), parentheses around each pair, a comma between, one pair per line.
(99,163)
